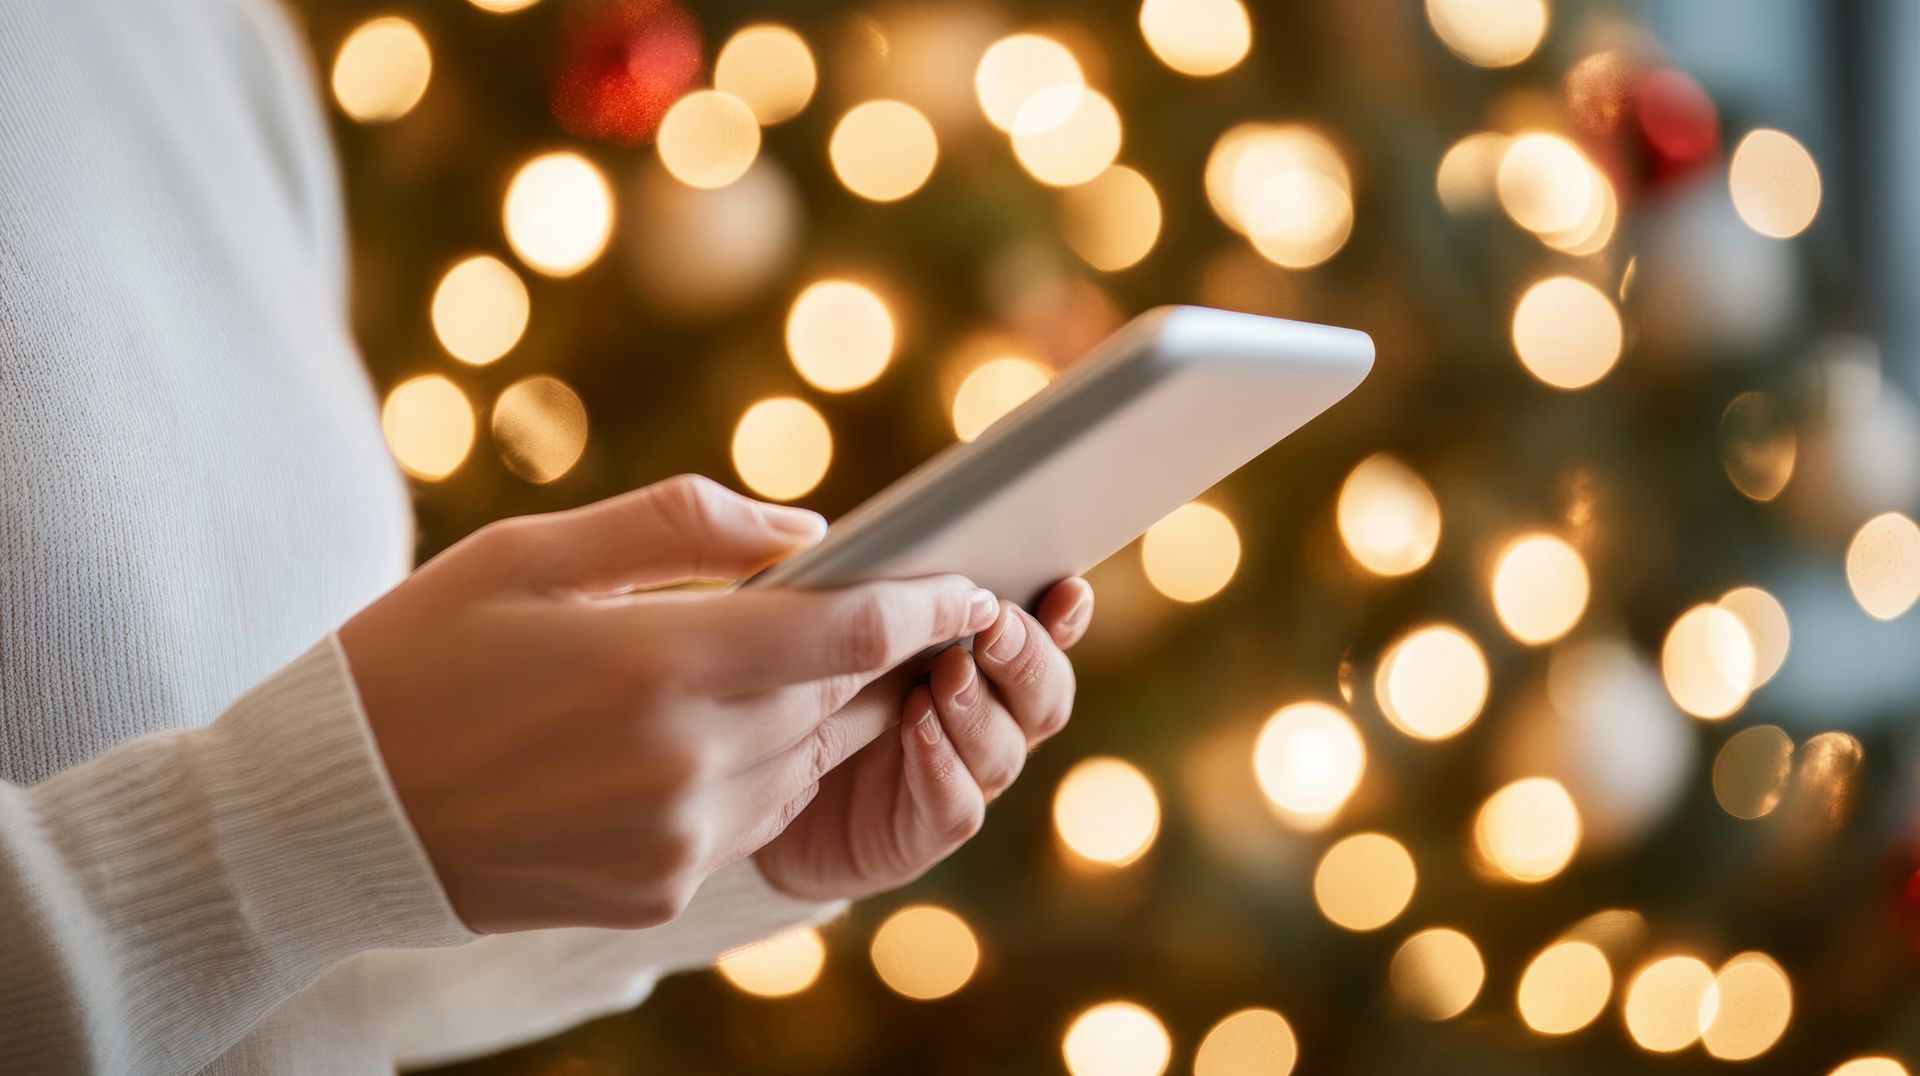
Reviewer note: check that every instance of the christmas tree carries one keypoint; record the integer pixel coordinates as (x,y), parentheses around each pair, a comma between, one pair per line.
(1499,721)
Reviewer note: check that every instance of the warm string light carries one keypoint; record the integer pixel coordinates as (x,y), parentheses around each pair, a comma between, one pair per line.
(1758,446)
(558,213)
(1529,830)
(781,448)
(1066,135)
(1388,517)
(1116,1038)
(1540,588)
(708,139)
(1247,1042)
(1364,881)
(1432,682)
(992,389)
(1751,771)
(840,335)
(1663,1001)
(1489,33)
(1567,332)
(1112,221)
(1437,973)
(1014,69)
(1191,554)
(1106,812)
(779,967)
(1883,565)
(429,425)
(1708,662)
(1308,759)
(925,952)
(1564,988)
(1200,38)
(770,68)
(381,70)
(1775,184)
(540,427)
(480,309)
(883,151)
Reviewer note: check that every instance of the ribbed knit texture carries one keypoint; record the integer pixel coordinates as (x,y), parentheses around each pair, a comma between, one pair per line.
(193,490)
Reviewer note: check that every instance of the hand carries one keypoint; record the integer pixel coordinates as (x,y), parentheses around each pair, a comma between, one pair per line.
(573,753)
(906,801)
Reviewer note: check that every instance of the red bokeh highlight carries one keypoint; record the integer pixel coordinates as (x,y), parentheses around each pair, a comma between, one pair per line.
(623,66)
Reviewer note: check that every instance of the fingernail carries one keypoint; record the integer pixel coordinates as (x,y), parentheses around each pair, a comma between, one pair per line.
(982,606)
(1013,636)
(969,690)
(797,522)
(928,727)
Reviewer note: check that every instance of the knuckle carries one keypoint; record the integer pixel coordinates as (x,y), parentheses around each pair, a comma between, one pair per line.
(868,633)
(824,750)
(965,820)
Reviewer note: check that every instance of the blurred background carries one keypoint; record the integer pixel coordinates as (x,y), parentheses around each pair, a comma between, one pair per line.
(1547,706)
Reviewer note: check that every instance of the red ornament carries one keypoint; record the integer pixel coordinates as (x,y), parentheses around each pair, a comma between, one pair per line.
(1679,126)
(624,66)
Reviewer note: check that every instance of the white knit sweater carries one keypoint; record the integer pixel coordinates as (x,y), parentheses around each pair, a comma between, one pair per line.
(200,856)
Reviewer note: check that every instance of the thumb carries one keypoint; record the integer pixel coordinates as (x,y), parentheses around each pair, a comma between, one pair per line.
(685,527)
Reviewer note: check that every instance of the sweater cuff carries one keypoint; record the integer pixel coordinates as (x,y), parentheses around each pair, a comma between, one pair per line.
(272,835)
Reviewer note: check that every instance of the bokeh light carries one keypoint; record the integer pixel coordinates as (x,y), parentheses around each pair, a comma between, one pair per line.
(1066,135)
(1015,68)
(540,426)
(480,309)
(1364,881)
(382,70)
(1748,1008)
(992,389)
(1540,588)
(1767,628)
(1309,759)
(1567,332)
(1883,565)
(1437,973)
(1251,1042)
(1191,554)
(1751,771)
(1775,183)
(769,67)
(1432,682)
(1564,988)
(925,952)
(502,7)
(1113,221)
(708,139)
(1489,33)
(1388,518)
(1529,830)
(1708,662)
(1197,37)
(1663,1000)
(1758,446)
(1248,158)
(1106,812)
(1546,184)
(781,448)
(1870,1066)
(840,335)
(429,426)
(558,213)
(1465,178)
(1116,1038)
(883,151)
(781,966)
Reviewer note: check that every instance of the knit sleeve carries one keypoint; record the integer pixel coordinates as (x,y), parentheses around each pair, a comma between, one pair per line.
(448,1004)
(156,901)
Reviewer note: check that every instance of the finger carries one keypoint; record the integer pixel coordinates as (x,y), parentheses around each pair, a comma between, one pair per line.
(984,734)
(756,640)
(686,527)
(944,806)
(822,747)
(1066,610)
(1031,673)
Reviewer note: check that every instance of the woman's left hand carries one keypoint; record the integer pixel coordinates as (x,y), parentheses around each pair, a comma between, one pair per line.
(908,799)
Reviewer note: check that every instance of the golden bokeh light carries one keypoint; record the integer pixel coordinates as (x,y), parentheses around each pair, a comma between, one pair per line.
(883,151)
(1663,1002)
(1775,183)
(502,7)
(781,966)
(1758,446)
(1116,1038)
(1066,135)
(480,309)
(540,426)
(1595,228)
(1388,518)
(1297,219)
(1529,830)
(1564,988)
(1546,184)
(429,426)
(1751,771)
(1465,178)
(1826,781)
(1248,159)
(1883,565)
(1309,759)
(1106,812)
(1191,554)
(1432,682)
(1708,662)
(1113,221)
(1364,881)
(781,448)
(769,67)
(1197,37)
(558,213)
(925,952)
(1567,332)
(1748,1008)
(1767,628)
(708,139)
(1489,33)
(1251,1042)
(1870,1066)
(1015,68)
(1437,973)
(1540,588)
(840,335)
(382,70)
(992,389)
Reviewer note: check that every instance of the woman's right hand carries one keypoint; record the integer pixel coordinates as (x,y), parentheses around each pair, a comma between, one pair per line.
(573,753)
